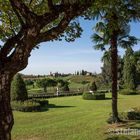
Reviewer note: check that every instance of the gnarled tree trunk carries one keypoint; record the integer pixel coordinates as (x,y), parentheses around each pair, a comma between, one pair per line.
(33,29)
(6,116)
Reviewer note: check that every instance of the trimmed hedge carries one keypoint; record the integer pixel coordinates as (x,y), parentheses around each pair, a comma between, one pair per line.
(26,106)
(42,102)
(95,96)
(31,105)
(103,91)
(128,92)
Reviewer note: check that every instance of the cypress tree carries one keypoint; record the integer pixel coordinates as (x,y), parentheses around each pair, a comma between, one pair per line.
(129,70)
(18,89)
(93,86)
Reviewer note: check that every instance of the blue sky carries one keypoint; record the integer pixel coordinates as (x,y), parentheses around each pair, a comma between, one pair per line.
(64,57)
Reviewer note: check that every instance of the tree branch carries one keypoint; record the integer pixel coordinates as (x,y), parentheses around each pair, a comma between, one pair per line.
(18,15)
(11,24)
(28,15)
(70,11)
(55,31)
(50,5)
(9,45)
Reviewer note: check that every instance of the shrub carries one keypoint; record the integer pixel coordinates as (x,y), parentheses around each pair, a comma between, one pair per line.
(102,91)
(88,96)
(95,96)
(42,102)
(93,86)
(132,114)
(26,106)
(65,88)
(99,96)
(127,92)
(18,89)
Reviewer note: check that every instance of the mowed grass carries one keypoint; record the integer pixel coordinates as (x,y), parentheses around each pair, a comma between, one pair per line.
(72,118)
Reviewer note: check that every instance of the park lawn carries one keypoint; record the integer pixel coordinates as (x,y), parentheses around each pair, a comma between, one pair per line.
(72,118)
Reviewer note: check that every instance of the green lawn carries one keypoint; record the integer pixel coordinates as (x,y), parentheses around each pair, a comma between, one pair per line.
(72,118)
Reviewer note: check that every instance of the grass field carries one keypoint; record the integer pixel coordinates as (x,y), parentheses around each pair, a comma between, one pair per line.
(72,118)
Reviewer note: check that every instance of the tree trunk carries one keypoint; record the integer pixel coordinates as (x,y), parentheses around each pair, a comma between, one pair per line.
(6,116)
(114,71)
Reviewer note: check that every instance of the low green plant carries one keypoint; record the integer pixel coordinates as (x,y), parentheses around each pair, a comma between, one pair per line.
(134,114)
(95,96)
(26,106)
(42,102)
(128,92)
(103,91)
(131,114)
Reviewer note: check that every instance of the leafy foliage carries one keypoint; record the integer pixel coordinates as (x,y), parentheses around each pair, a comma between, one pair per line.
(129,70)
(128,92)
(18,89)
(46,82)
(93,86)
(26,106)
(96,96)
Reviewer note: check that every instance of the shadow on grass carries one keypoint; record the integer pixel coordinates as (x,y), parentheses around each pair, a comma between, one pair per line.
(58,106)
(118,138)
(108,98)
(131,124)
(49,106)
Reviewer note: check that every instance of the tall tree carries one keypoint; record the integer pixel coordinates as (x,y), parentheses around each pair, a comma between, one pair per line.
(106,68)
(112,31)
(23,25)
(43,83)
(18,89)
(129,70)
(137,65)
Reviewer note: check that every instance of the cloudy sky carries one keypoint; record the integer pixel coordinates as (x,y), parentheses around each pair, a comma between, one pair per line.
(64,57)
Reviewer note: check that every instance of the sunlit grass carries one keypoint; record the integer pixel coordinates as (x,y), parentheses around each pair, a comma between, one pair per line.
(71,118)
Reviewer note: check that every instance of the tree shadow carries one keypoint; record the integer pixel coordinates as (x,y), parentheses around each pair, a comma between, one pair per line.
(58,106)
(108,98)
(131,124)
(118,138)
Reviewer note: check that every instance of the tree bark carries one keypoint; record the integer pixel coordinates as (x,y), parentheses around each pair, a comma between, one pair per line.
(114,71)
(6,115)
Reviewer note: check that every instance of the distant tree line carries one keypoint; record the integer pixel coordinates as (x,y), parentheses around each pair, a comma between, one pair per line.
(83,72)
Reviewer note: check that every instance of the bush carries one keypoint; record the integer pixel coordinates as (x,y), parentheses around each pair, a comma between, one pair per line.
(42,102)
(103,91)
(127,92)
(95,96)
(93,86)
(26,106)
(18,89)
(88,96)
(65,88)
(132,114)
